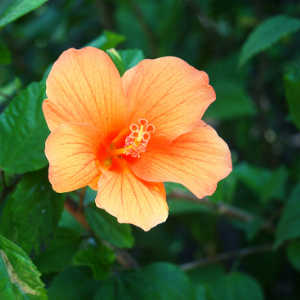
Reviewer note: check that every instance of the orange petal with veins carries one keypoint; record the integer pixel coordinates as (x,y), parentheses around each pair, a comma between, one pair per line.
(72,150)
(52,115)
(198,160)
(94,184)
(131,199)
(170,94)
(84,86)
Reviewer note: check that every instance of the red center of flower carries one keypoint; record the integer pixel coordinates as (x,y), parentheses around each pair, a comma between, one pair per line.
(137,141)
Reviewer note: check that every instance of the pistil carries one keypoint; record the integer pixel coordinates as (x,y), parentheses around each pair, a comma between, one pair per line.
(137,141)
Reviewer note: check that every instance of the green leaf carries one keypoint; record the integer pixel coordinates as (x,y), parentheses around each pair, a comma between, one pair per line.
(252,228)
(74,283)
(289,223)
(274,187)
(206,275)
(7,225)
(68,221)
(293,254)
(158,281)
(265,267)
(108,228)
(35,211)
(117,60)
(11,88)
(171,187)
(237,286)
(60,251)
(98,258)
(266,34)
(11,10)
(107,40)
(131,57)
(19,278)
(5,56)
(181,206)
(225,191)
(232,100)
(90,195)
(125,59)
(24,131)
(170,280)
(201,293)
(292,94)
(267,184)
(252,176)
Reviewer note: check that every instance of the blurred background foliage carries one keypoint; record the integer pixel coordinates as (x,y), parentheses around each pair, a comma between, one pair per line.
(240,243)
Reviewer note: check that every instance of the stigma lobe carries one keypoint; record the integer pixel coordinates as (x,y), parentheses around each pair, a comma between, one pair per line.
(137,141)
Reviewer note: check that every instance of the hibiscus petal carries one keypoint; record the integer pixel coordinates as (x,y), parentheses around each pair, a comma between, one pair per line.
(72,150)
(170,94)
(53,116)
(94,184)
(198,160)
(131,199)
(84,86)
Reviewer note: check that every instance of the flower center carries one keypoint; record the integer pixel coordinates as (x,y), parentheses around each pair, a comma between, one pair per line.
(137,141)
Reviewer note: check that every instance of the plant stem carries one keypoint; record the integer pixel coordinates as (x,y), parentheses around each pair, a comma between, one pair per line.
(223,209)
(225,256)
(72,207)
(145,27)
(8,188)
(105,14)
(6,96)
(3,180)
(80,206)
(122,256)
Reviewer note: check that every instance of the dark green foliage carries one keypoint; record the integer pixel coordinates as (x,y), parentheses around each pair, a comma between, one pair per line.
(74,283)
(240,243)
(32,212)
(232,100)
(116,58)
(158,281)
(107,40)
(125,59)
(131,57)
(11,10)
(60,251)
(292,92)
(289,223)
(5,55)
(293,254)
(108,228)
(214,284)
(98,258)
(266,34)
(237,286)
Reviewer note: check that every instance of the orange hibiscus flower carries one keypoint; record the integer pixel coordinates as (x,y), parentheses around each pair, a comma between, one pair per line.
(125,136)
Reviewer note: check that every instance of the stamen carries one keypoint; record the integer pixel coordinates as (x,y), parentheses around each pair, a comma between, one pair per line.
(137,141)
